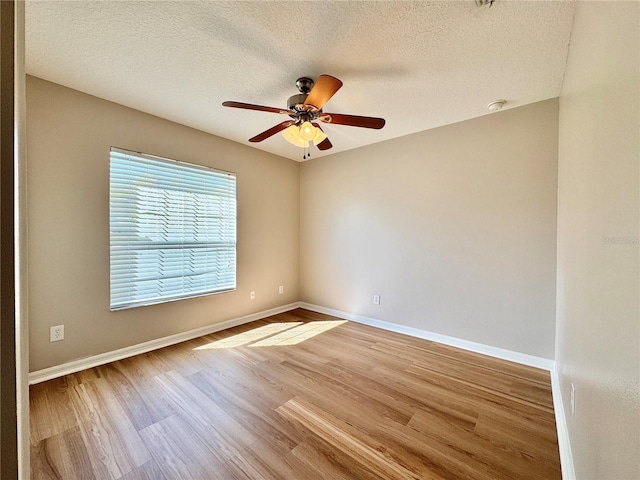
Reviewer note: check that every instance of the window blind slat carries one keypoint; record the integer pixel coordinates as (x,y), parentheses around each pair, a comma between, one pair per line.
(172,230)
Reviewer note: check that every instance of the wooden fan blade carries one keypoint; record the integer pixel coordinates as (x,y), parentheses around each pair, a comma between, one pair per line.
(323,89)
(325,144)
(260,108)
(352,120)
(272,131)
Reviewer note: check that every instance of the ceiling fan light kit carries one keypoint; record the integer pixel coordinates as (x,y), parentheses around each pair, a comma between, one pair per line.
(302,135)
(292,135)
(306,107)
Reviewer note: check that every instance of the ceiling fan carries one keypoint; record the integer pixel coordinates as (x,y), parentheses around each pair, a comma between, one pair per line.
(305,110)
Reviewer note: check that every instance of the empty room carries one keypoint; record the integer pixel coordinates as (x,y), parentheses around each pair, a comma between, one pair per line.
(321,240)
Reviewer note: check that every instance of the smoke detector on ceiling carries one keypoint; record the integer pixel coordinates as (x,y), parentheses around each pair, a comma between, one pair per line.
(496,105)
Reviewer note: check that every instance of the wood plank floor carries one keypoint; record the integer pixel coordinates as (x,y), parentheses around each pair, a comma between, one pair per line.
(299,395)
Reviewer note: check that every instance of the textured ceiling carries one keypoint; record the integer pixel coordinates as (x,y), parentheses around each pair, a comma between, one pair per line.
(419,65)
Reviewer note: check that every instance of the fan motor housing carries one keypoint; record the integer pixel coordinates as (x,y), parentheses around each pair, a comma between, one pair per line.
(296,100)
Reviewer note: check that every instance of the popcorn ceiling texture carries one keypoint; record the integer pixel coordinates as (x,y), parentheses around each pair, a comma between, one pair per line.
(419,65)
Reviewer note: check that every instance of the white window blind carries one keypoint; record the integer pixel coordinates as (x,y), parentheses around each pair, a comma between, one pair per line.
(172,230)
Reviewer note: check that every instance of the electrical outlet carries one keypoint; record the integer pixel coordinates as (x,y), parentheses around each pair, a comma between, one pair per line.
(376,299)
(56,333)
(252,295)
(281,289)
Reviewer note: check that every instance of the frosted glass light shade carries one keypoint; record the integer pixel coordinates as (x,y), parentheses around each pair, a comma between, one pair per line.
(319,137)
(307,131)
(292,135)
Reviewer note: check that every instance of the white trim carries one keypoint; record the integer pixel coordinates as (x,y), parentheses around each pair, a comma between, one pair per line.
(20,243)
(564,443)
(517,357)
(107,357)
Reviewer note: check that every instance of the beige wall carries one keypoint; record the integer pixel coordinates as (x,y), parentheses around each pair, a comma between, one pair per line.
(68,140)
(598,322)
(454,227)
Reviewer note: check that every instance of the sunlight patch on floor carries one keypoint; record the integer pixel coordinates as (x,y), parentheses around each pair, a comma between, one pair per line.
(249,336)
(274,334)
(298,334)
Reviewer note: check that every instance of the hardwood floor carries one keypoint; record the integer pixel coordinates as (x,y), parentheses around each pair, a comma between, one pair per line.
(297,396)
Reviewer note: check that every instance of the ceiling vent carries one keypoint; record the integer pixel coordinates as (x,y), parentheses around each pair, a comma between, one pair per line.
(482,3)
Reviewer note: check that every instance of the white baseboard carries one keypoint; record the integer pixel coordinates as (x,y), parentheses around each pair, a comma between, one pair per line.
(564,445)
(517,357)
(107,357)
(100,359)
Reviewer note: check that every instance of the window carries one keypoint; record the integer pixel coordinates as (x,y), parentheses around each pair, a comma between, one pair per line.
(172,230)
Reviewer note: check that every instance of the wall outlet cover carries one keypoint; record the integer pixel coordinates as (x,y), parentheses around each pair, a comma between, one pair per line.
(56,333)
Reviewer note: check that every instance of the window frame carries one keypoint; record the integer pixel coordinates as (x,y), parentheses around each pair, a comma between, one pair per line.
(147,301)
